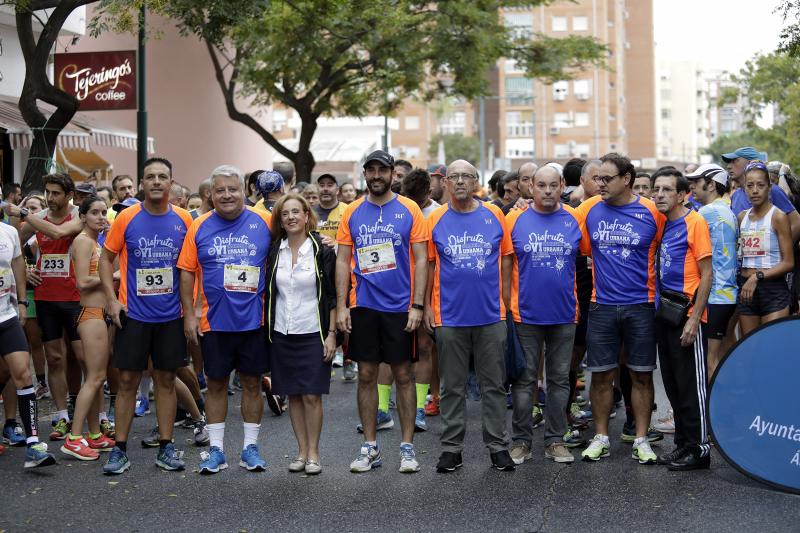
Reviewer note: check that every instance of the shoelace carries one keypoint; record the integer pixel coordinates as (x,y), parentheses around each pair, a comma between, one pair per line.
(407,453)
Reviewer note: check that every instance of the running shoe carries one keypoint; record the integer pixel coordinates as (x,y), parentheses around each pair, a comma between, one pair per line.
(182,419)
(643,453)
(106,390)
(252,460)
(117,462)
(520,453)
(581,384)
(502,461)
(142,406)
(599,447)
(169,458)
(338,360)
(559,453)
(432,407)
(36,455)
(60,430)
(101,443)
(572,439)
(13,435)
(212,461)
(666,424)
(151,440)
(581,401)
(408,459)
(42,391)
(538,417)
(200,433)
(579,414)
(629,434)
(419,421)
(369,457)
(79,449)
(107,427)
(384,420)
(349,372)
(237,382)
(449,462)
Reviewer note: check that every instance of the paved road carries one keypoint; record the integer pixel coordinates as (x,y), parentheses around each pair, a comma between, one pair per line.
(612,495)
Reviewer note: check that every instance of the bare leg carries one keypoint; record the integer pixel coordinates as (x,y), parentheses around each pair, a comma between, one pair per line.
(368,398)
(602,397)
(95,357)
(126,402)
(313,421)
(166,401)
(642,400)
(217,400)
(406,398)
(252,404)
(298,418)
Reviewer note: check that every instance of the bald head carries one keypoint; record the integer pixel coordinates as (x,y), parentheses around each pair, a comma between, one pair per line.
(461,166)
(547,172)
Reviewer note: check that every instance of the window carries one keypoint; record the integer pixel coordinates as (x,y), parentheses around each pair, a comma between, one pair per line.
(562,120)
(666,113)
(581,150)
(519,91)
(520,25)
(453,123)
(412,123)
(519,124)
(582,88)
(511,65)
(580,23)
(559,24)
(412,152)
(561,151)
(581,120)
(560,91)
(517,148)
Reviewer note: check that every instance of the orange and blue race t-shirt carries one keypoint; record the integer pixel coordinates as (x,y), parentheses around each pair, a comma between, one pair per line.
(229,258)
(148,247)
(685,242)
(467,248)
(622,241)
(543,282)
(381,236)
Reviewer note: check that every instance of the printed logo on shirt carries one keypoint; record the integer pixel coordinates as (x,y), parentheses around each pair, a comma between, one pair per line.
(468,251)
(547,249)
(156,250)
(376,234)
(615,238)
(232,246)
(665,259)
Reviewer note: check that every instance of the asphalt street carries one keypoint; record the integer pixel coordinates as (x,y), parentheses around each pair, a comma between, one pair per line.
(613,495)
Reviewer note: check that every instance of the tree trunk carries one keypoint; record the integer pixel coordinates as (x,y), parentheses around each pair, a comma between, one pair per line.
(41,153)
(303,165)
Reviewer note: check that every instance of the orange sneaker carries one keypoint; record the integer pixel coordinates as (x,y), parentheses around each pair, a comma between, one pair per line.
(101,444)
(79,449)
(432,407)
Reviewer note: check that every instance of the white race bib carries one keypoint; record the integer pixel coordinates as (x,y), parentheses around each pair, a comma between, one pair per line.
(6,281)
(241,278)
(153,281)
(752,243)
(376,258)
(55,266)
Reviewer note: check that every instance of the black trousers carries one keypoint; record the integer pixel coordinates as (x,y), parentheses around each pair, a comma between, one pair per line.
(684,370)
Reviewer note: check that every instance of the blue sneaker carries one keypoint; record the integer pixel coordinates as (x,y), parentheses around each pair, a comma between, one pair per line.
(383,421)
(36,455)
(13,436)
(419,421)
(142,406)
(117,462)
(170,459)
(252,460)
(213,461)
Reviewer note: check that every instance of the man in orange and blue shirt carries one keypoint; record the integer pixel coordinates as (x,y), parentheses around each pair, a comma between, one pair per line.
(226,252)
(684,267)
(470,253)
(621,231)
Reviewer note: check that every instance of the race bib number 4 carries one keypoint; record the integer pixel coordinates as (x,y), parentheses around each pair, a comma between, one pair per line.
(55,266)
(6,280)
(376,258)
(241,278)
(153,281)
(752,243)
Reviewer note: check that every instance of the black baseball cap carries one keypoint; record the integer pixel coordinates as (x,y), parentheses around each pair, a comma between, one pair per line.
(381,157)
(329,176)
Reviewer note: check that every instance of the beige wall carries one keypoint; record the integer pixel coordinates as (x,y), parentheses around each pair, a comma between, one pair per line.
(186,110)
(640,82)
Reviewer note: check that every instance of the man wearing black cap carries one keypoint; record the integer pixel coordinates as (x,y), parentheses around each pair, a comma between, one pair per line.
(330,209)
(379,237)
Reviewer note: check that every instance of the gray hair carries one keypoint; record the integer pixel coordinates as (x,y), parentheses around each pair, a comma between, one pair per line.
(228,171)
(589,164)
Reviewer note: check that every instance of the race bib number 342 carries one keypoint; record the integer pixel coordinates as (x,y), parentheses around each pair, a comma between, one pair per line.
(153,281)
(241,278)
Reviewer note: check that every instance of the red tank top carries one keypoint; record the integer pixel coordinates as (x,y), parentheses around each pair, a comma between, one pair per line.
(55,267)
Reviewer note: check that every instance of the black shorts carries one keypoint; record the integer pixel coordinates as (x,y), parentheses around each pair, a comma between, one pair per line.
(771,295)
(55,317)
(12,337)
(719,315)
(164,342)
(226,351)
(378,337)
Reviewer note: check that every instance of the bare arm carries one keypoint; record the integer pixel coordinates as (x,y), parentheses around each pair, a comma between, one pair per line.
(18,268)
(82,251)
(106,269)
(785,240)
(33,224)
(343,255)
(191,326)
(506,266)
(701,299)
(794,224)
(430,319)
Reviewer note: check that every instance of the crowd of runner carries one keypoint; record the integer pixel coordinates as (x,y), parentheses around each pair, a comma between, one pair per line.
(119,296)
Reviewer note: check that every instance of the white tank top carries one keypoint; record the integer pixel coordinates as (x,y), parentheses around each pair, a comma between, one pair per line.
(758,242)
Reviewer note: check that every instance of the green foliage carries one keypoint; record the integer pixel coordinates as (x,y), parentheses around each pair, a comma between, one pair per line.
(456,146)
(790,32)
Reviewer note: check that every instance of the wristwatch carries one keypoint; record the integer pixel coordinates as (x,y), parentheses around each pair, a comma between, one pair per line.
(26,303)
(760,275)
(23,212)
(418,306)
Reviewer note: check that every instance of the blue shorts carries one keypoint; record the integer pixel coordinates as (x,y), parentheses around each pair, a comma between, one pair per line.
(224,352)
(612,326)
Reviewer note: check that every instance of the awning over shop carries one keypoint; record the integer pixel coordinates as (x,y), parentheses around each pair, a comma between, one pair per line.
(80,134)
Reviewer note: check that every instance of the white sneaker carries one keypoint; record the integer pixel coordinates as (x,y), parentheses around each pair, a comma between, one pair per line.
(368,458)
(643,453)
(408,459)
(666,424)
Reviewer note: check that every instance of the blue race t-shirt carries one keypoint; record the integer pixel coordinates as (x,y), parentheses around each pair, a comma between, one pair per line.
(724,230)
(543,283)
(740,202)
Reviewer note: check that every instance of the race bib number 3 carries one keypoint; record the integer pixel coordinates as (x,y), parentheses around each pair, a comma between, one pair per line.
(752,243)
(153,281)
(376,258)
(55,266)
(6,280)
(241,278)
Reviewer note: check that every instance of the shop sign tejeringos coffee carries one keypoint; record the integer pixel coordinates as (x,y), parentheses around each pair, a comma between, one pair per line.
(754,409)
(99,80)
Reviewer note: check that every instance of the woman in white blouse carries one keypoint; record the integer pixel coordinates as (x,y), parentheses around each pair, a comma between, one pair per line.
(302,316)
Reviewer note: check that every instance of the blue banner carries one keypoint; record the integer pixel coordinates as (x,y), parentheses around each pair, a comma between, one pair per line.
(754,405)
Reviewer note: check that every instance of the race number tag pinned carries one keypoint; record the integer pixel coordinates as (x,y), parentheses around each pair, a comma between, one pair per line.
(153,281)
(241,278)
(55,266)
(376,258)
(752,243)
(6,280)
